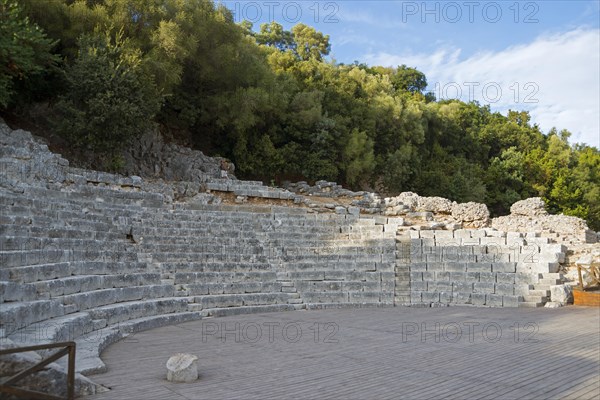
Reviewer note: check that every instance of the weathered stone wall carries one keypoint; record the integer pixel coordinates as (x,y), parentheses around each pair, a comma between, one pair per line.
(480,267)
(149,156)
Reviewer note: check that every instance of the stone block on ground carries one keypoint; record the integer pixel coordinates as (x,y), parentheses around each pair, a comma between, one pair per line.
(561,294)
(182,368)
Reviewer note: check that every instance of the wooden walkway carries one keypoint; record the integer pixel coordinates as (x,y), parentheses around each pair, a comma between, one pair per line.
(472,353)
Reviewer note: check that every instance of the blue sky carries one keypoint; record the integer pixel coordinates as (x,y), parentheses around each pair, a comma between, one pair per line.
(540,56)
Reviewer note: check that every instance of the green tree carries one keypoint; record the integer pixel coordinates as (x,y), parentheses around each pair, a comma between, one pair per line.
(275,36)
(408,79)
(109,98)
(310,44)
(358,158)
(25,51)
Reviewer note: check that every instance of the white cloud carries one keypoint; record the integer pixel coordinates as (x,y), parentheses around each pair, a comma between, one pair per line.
(563,72)
(364,17)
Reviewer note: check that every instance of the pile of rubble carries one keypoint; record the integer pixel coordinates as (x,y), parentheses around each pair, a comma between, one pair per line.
(530,215)
(321,189)
(442,213)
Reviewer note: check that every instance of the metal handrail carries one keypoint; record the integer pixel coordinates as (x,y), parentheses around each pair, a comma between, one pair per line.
(67,348)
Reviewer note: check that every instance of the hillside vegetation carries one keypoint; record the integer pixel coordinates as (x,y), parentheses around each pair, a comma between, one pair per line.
(272,102)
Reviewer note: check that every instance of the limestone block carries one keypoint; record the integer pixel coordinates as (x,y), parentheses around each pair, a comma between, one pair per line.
(461,298)
(504,267)
(440,286)
(353,210)
(415,297)
(478,299)
(505,278)
(462,233)
(561,294)
(435,266)
(531,207)
(549,257)
(510,301)
(442,276)
(464,287)
(552,304)
(430,297)
(493,242)
(473,276)
(493,300)
(455,267)
(482,287)
(487,277)
(434,204)
(418,267)
(416,276)
(428,276)
(478,233)
(182,368)
(446,297)
(505,289)
(479,267)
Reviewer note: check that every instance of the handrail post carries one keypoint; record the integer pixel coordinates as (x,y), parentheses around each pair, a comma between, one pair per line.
(66,348)
(71,373)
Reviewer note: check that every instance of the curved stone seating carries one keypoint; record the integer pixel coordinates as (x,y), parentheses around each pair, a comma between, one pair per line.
(95,264)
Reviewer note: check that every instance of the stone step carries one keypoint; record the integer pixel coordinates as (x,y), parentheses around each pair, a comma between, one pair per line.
(535,299)
(100,196)
(121,312)
(552,276)
(44,272)
(229,311)
(229,287)
(173,240)
(325,297)
(13,291)
(58,329)
(326,306)
(18,237)
(532,304)
(224,277)
(88,283)
(241,300)
(53,255)
(25,313)
(34,273)
(538,292)
(549,282)
(103,297)
(261,261)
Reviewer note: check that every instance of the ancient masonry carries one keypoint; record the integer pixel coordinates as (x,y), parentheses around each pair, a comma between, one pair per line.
(95,257)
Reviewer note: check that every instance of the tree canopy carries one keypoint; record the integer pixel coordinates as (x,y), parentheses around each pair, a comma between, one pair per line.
(271,101)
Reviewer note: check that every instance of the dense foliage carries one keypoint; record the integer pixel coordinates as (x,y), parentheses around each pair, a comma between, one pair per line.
(271,101)
(25,51)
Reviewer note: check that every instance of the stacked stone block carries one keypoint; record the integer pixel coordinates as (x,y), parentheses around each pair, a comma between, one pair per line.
(480,267)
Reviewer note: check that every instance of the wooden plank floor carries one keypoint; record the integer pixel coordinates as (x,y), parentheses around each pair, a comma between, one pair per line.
(412,353)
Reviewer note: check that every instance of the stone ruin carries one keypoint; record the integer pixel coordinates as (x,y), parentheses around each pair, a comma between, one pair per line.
(95,257)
